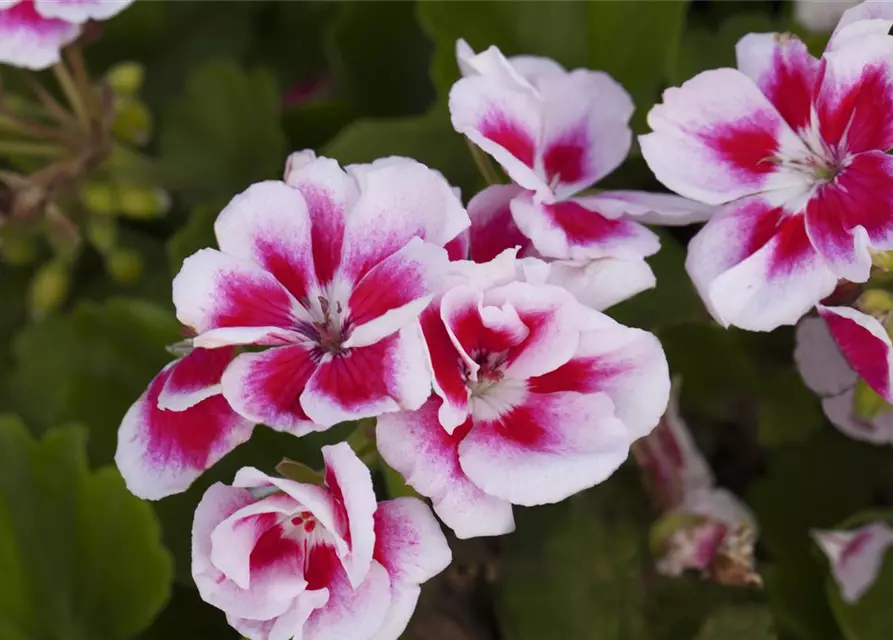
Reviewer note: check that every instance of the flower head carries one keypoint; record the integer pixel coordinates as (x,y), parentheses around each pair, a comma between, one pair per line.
(856,556)
(32,32)
(536,398)
(285,559)
(330,270)
(795,150)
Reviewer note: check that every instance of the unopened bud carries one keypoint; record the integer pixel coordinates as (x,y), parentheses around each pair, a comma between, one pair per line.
(883,260)
(49,288)
(124,265)
(867,403)
(17,247)
(143,202)
(99,197)
(133,122)
(875,302)
(126,78)
(102,232)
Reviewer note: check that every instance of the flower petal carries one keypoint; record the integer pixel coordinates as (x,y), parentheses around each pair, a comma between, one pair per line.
(713,136)
(30,40)
(352,613)
(821,364)
(586,138)
(841,411)
(856,556)
(856,94)
(426,456)
(574,230)
(546,449)
(650,208)
(330,194)
(603,282)
(266,386)
(780,65)
(865,344)
(628,365)
(404,598)
(399,199)
(269,225)
(350,482)
(162,452)
(394,292)
(79,11)
(852,213)
(409,542)
(364,382)
(285,626)
(449,379)
(869,10)
(493,230)
(194,378)
(755,267)
(214,290)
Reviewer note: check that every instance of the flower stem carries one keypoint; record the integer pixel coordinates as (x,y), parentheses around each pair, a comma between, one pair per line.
(482,162)
(69,88)
(75,58)
(48,102)
(38,149)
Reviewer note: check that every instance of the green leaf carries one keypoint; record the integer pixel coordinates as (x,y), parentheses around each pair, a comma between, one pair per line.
(430,139)
(89,366)
(743,622)
(80,554)
(224,133)
(384,75)
(789,413)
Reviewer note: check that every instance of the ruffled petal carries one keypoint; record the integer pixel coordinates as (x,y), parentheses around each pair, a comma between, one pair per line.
(546,449)
(714,139)
(426,456)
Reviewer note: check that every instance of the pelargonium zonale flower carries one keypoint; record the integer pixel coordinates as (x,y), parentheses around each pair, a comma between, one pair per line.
(288,559)
(856,556)
(829,348)
(536,398)
(329,270)
(795,149)
(556,133)
(179,427)
(32,32)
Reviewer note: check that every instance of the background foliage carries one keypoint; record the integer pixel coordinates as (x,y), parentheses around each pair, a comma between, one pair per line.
(233,87)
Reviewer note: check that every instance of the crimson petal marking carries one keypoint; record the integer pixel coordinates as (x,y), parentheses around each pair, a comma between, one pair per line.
(458,248)
(161,452)
(585,138)
(784,71)
(447,367)
(269,224)
(267,386)
(214,290)
(714,137)
(31,40)
(820,363)
(194,378)
(414,444)
(855,97)
(493,230)
(547,449)
(570,230)
(864,342)
(364,382)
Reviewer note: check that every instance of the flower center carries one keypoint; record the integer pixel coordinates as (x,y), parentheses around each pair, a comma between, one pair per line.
(816,161)
(489,374)
(329,331)
(303,522)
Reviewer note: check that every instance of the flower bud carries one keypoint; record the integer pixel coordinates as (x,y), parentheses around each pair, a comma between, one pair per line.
(867,403)
(875,302)
(126,78)
(142,202)
(17,247)
(102,232)
(124,265)
(133,122)
(49,287)
(99,197)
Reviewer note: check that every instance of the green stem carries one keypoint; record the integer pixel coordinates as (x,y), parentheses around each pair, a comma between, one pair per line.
(482,162)
(16,148)
(15,124)
(66,82)
(82,79)
(49,103)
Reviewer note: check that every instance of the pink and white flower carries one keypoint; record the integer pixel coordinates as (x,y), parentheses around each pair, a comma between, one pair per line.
(856,556)
(32,32)
(700,523)
(285,559)
(828,348)
(795,150)
(330,269)
(179,427)
(536,398)
(557,133)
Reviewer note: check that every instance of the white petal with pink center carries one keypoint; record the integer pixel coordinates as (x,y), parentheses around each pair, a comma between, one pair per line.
(332,270)
(30,40)
(856,556)
(865,344)
(286,559)
(163,449)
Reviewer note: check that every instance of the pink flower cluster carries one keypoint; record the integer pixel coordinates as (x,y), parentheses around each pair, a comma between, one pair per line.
(32,32)
(341,294)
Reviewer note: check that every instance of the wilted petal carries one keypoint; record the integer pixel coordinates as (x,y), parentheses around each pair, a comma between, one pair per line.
(545,449)
(30,40)
(162,452)
(780,65)
(865,344)
(426,455)
(714,137)
(856,556)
